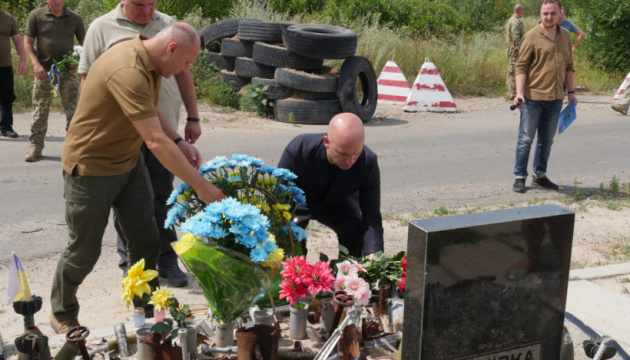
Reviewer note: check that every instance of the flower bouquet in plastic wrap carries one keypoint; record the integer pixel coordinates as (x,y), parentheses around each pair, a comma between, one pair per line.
(234,248)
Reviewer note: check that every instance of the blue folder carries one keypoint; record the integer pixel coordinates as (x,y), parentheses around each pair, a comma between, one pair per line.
(567,115)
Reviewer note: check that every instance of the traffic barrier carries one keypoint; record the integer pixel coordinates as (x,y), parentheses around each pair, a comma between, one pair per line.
(429,93)
(393,87)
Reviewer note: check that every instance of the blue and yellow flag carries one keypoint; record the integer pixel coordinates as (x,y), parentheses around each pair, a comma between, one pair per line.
(18,289)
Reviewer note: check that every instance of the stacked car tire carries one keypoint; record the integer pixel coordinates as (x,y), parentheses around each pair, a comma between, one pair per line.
(289,60)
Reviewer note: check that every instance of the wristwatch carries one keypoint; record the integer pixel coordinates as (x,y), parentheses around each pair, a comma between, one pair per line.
(193,119)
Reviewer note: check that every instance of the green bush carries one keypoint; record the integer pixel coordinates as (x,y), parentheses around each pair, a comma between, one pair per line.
(254,100)
(607,31)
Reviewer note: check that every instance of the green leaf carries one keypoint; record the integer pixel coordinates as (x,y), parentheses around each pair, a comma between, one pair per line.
(162,327)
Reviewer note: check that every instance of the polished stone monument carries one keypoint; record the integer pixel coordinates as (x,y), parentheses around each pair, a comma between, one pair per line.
(488,286)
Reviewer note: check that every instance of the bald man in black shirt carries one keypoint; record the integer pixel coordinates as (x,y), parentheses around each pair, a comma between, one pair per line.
(341,180)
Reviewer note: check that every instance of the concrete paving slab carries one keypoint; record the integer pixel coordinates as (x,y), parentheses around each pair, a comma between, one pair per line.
(600,272)
(601,310)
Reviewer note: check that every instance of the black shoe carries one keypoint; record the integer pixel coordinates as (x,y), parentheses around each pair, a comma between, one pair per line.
(174,275)
(519,185)
(10,133)
(545,183)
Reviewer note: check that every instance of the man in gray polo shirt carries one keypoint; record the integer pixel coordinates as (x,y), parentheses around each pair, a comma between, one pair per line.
(126,21)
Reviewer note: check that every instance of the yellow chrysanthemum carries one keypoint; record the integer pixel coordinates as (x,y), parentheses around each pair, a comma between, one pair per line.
(281,207)
(265,208)
(136,283)
(274,260)
(186,242)
(161,298)
(286,215)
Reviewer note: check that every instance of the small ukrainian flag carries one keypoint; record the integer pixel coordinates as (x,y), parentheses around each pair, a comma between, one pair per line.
(18,289)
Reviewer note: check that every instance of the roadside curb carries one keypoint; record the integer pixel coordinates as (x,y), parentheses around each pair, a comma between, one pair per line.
(600,272)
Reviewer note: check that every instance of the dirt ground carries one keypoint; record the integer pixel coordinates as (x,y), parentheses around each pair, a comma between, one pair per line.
(597,231)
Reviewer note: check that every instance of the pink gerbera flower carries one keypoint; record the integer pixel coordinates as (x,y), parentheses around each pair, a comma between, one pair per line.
(357,287)
(320,278)
(346,268)
(357,266)
(340,283)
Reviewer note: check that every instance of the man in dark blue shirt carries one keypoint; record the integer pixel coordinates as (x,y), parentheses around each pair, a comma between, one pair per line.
(341,180)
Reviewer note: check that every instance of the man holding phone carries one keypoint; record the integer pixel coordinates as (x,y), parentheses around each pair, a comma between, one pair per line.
(545,62)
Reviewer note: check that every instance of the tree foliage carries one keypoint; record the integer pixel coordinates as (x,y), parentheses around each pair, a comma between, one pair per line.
(607,28)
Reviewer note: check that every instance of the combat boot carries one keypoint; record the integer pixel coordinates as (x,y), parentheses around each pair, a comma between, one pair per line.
(33,155)
(620,108)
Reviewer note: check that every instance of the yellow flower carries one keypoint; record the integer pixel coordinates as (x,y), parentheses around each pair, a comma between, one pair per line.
(281,207)
(161,298)
(286,215)
(265,207)
(186,242)
(274,259)
(136,283)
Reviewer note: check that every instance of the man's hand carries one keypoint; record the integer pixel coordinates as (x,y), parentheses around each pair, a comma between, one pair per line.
(40,73)
(519,100)
(210,193)
(572,99)
(191,153)
(192,131)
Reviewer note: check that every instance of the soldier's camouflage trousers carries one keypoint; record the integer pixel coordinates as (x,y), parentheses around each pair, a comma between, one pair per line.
(42,97)
(510,80)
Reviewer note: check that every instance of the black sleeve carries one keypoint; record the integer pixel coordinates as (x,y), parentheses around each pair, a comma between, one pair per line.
(370,202)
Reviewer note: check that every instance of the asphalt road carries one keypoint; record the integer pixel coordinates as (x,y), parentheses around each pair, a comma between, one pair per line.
(427,160)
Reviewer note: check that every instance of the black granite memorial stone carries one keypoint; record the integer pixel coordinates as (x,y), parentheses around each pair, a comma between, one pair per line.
(488,286)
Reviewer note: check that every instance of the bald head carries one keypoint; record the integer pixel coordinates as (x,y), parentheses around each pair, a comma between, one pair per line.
(174,48)
(181,33)
(344,140)
(518,10)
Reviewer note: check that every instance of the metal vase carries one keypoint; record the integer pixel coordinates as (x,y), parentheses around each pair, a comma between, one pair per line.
(224,335)
(328,315)
(297,322)
(144,351)
(263,317)
(191,340)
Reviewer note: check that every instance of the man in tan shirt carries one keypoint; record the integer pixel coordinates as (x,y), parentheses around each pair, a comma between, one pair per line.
(102,164)
(126,21)
(545,61)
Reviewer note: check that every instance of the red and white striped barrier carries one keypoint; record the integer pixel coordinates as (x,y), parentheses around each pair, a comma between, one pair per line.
(393,87)
(621,92)
(429,93)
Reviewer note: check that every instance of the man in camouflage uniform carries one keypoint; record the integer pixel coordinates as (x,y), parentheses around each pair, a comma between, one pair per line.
(54,27)
(515,30)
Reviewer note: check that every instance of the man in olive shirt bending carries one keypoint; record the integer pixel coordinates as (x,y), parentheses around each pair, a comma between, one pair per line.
(102,164)
(545,61)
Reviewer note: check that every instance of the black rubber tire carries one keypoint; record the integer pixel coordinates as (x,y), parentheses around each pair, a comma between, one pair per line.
(274,91)
(230,63)
(246,67)
(307,95)
(280,56)
(233,47)
(300,111)
(215,58)
(234,81)
(320,41)
(358,71)
(299,80)
(260,31)
(212,34)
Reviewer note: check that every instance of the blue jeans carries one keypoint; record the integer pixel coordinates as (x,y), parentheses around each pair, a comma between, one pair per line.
(541,117)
